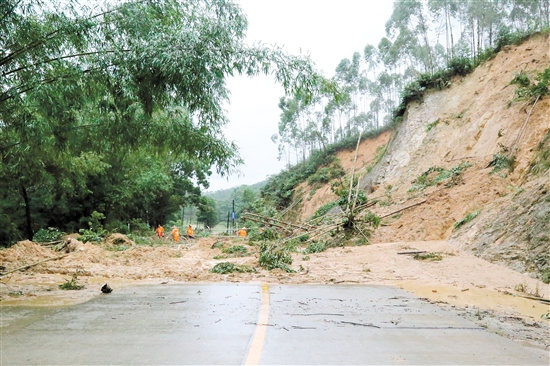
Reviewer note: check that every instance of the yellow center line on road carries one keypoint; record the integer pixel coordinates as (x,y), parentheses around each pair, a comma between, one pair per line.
(257,345)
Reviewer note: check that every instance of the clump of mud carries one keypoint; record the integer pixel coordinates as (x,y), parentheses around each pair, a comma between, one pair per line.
(116,239)
(24,253)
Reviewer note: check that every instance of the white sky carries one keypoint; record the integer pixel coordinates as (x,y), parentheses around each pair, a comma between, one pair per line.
(327,30)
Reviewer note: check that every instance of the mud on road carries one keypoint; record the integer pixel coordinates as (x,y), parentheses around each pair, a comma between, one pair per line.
(480,291)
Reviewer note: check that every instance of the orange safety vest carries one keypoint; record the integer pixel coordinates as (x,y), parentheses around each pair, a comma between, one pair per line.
(176,234)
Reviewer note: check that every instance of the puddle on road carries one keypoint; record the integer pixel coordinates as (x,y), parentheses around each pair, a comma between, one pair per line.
(476,297)
(35,291)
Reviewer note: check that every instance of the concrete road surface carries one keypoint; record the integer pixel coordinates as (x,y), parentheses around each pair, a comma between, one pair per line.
(253,324)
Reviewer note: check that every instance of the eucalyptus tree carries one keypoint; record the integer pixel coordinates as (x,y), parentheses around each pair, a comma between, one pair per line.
(529,14)
(409,25)
(85,88)
(290,131)
(371,58)
(445,13)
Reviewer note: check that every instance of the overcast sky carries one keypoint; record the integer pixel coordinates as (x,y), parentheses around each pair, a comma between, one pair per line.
(327,30)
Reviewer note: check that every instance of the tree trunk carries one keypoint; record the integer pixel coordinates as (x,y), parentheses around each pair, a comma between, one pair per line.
(451,33)
(28,227)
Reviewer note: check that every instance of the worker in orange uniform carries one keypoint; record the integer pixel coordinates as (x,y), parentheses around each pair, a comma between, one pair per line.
(175,233)
(160,231)
(242,232)
(190,233)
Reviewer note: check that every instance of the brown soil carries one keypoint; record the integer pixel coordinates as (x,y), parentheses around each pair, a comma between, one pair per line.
(459,280)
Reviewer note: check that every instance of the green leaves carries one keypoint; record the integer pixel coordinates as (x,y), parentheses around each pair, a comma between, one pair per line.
(117,108)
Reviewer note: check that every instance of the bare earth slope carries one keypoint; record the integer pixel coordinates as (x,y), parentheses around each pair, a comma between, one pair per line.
(469,123)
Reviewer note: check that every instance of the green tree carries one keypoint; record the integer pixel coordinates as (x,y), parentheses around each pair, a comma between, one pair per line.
(84,98)
(206,212)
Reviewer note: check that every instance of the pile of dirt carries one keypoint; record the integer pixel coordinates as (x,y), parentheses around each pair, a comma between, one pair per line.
(116,240)
(25,253)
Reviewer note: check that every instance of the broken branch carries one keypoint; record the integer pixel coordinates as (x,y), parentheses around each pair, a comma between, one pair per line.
(33,264)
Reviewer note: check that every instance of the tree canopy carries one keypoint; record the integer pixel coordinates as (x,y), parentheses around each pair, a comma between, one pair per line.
(118,108)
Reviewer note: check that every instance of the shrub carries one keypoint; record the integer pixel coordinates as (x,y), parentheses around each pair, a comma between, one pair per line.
(228,267)
(436,174)
(71,284)
(322,211)
(217,245)
(315,247)
(530,91)
(502,161)
(521,79)
(429,126)
(326,174)
(272,256)
(279,189)
(267,234)
(469,217)
(506,37)
(460,66)
(380,151)
(138,226)
(91,236)
(236,250)
(47,235)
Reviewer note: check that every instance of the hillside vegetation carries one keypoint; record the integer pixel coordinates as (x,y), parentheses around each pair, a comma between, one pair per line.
(474,157)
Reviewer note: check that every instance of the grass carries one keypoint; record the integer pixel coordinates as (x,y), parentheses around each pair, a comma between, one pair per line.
(228,267)
(502,161)
(541,159)
(217,245)
(145,240)
(469,217)
(71,284)
(236,251)
(524,288)
(432,256)
(429,126)
(515,189)
(316,247)
(380,151)
(436,174)
(322,211)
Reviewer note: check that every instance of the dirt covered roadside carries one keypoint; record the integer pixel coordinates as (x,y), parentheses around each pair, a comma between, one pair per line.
(489,294)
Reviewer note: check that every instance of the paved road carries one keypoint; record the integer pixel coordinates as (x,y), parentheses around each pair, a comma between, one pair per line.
(253,324)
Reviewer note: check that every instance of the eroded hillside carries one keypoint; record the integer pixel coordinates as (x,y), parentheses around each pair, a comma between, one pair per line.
(442,156)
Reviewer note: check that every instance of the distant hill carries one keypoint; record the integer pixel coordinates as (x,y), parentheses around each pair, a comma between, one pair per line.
(224,197)
(227,194)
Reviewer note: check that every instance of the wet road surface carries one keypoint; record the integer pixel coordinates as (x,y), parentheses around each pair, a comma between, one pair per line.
(253,324)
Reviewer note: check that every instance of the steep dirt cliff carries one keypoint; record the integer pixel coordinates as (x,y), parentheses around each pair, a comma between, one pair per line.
(442,156)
